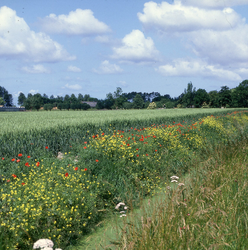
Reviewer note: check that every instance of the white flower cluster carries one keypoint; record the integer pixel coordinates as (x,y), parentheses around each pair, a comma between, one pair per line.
(174,178)
(125,208)
(44,244)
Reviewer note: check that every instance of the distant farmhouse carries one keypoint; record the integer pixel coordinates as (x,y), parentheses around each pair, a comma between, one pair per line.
(92,104)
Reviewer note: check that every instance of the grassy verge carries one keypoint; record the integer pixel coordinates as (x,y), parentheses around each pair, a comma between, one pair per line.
(208,210)
(64,198)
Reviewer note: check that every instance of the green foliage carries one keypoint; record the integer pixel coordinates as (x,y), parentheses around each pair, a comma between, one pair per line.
(2,102)
(48,107)
(138,102)
(201,96)
(206,211)
(103,163)
(21,99)
(189,94)
(225,96)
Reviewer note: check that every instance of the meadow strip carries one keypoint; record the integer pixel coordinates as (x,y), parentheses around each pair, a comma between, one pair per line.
(61,199)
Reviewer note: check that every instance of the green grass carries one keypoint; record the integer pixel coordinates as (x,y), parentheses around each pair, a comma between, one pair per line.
(208,212)
(63,199)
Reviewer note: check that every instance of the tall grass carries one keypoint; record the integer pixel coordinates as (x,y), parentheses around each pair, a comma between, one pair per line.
(208,212)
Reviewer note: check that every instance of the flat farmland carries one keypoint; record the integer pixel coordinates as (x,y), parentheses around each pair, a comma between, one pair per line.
(24,121)
(64,172)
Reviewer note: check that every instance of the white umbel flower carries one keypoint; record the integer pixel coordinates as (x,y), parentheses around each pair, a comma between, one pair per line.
(119,204)
(174,177)
(43,244)
(174,181)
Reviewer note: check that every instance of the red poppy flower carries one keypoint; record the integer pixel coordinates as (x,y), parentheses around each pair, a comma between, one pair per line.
(156,150)
(85,147)
(76,168)
(137,149)
(13,175)
(19,155)
(85,169)
(37,164)
(97,160)
(102,134)
(27,164)
(85,142)
(18,160)
(146,154)
(137,155)
(66,174)
(8,180)
(13,159)
(23,183)
(46,147)
(128,144)
(28,156)
(2,158)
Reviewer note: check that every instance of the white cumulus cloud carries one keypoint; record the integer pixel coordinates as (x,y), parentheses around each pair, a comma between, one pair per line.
(72,87)
(196,68)
(166,17)
(107,68)
(78,22)
(136,48)
(73,69)
(36,69)
(33,91)
(18,41)
(219,35)
(228,47)
(215,3)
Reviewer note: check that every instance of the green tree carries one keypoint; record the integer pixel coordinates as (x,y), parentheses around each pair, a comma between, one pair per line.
(225,96)
(214,99)
(86,97)
(60,106)
(188,98)
(48,106)
(2,102)
(21,99)
(240,95)
(80,97)
(6,96)
(118,92)
(200,97)
(138,102)
(37,101)
(67,98)
(73,98)
(8,99)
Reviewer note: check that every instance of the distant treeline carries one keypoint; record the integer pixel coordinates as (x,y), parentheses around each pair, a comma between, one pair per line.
(200,98)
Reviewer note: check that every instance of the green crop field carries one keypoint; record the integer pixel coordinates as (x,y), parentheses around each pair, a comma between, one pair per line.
(63,172)
(12,122)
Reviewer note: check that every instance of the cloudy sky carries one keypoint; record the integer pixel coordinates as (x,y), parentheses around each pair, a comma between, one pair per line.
(60,47)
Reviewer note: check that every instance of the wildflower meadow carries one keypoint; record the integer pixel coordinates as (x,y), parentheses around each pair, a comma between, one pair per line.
(59,181)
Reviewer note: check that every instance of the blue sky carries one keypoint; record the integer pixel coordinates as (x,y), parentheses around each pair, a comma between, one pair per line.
(91,47)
